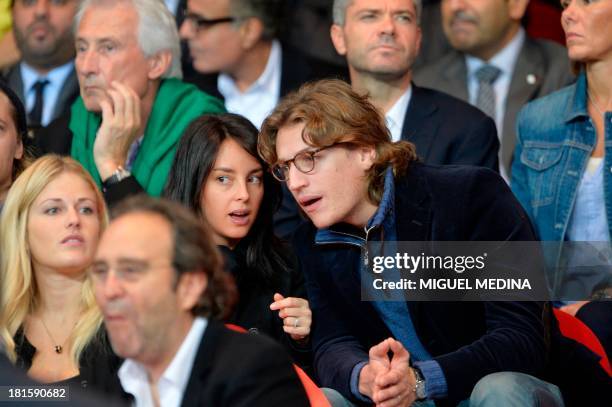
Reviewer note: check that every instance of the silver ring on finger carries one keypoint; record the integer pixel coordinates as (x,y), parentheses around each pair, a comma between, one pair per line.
(297,321)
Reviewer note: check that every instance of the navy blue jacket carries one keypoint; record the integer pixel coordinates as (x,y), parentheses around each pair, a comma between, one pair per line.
(447,130)
(468,339)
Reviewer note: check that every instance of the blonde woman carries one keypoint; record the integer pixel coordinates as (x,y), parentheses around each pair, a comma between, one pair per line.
(50,325)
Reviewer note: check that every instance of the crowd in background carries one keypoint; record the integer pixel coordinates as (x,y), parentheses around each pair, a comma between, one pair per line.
(174,171)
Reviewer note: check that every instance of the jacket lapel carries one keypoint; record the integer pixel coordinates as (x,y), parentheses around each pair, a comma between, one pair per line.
(454,76)
(526,81)
(418,128)
(413,216)
(69,92)
(15,81)
(294,70)
(202,365)
(413,206)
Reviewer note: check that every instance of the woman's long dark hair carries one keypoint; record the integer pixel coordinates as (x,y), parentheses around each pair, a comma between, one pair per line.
(195,158)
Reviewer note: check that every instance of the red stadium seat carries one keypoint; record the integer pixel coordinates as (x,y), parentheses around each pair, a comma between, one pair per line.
(573,328)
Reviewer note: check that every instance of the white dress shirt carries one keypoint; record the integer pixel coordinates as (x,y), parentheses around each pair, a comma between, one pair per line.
(172,6)
(258,101)
(56,77)
(396,115)
(171,385)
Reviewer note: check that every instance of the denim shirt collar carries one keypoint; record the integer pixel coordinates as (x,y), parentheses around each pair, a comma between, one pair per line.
(384,216)
(577,104)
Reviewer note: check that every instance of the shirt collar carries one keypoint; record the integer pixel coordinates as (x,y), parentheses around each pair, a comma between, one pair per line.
(384,216)
(396,115)
(386,203)
(504,60)
(133,375)
(577,104)
(266,82)
(172,6)
(56,76)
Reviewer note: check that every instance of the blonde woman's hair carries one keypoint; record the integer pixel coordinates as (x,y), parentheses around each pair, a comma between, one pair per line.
(18,290)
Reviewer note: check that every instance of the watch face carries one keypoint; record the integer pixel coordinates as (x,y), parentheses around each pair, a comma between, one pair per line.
(419,385)
(420,390)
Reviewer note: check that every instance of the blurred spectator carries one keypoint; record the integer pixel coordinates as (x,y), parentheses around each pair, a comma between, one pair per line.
(332,148)
(218,174)
(233,43)
(44,79)
(176,351)
(9,54)
(49,321)
(13,131)
(133,108)
(5,17)
(495,65)
(306,27)
(561,173)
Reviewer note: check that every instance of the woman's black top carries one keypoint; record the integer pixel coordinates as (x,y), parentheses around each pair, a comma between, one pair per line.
(98,366)
(253,312)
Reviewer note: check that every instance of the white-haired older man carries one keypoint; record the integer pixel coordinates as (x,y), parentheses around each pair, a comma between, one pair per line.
(133,107)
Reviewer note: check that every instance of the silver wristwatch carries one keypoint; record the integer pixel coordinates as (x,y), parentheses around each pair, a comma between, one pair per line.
(419,384)
(119,175)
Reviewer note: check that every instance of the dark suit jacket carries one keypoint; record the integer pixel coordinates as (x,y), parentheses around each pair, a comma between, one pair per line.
(252,312)
(235,369)
(541,68)
(296,69)
(447,130)
(468,339)
(69,92)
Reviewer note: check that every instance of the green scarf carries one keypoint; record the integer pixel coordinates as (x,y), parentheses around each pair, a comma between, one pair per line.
(176,105)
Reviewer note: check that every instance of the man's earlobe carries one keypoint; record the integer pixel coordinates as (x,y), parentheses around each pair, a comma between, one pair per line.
(517,9)
(251,32)
(190,288)
(19,150)
(159,64)
(367,156)
(337,37)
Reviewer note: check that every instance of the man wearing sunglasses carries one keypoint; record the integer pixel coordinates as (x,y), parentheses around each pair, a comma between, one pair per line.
(332,148)
(233,43)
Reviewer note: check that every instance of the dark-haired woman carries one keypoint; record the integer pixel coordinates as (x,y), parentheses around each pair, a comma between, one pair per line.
(12,131)
(218,173)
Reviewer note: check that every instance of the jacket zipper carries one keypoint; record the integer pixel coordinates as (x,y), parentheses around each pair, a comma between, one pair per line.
(366,257)
(364,247)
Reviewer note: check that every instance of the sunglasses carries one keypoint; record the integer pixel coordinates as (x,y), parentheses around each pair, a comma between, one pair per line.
(203,23)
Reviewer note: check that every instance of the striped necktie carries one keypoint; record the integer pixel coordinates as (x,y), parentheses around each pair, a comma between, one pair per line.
(485,100)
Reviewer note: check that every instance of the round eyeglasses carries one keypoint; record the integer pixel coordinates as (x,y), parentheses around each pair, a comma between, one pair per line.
(304,161)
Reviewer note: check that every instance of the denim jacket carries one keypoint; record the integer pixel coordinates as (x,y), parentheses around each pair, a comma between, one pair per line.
(555,140)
